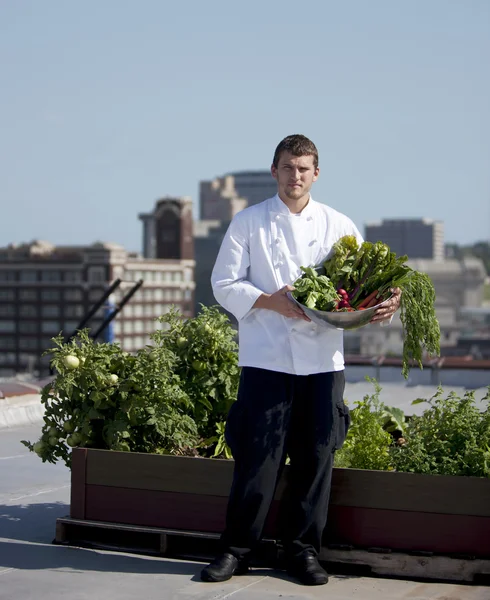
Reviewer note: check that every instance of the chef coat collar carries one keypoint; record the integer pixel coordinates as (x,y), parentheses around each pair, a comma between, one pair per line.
(277,206)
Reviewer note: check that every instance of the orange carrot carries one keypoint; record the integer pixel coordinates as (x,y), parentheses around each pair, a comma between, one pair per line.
(367,300)
(372,302)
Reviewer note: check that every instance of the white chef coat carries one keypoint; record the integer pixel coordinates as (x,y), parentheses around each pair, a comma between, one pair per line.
(262,251)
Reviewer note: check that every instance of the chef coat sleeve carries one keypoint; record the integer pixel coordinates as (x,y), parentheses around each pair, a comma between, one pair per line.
(229,277)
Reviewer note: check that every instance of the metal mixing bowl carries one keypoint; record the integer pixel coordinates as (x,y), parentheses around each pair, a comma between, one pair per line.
(340,320)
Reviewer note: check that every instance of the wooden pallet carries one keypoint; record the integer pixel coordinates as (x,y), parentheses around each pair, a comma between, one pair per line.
(203,546)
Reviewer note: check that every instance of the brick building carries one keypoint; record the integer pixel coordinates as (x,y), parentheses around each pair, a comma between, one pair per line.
(47,289)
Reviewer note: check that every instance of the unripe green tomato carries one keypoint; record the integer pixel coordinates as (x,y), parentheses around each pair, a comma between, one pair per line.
(68,427)
(53,441)
(53,432)
(198,365)
(38,448)
(181,342)
(113,378)
(71,362)
(77,438)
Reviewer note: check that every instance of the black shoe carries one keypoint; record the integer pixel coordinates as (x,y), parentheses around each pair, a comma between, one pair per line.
(307,569)
(224,567)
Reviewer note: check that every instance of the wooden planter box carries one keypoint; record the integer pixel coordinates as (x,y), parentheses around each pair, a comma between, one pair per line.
(368,509)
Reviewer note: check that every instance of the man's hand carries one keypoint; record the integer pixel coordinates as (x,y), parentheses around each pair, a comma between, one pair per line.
(385,312)
(279,302)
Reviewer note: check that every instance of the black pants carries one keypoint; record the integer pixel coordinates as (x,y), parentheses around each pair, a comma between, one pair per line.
(277,414)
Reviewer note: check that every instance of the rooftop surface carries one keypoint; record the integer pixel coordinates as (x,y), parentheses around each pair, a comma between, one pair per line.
(33,495)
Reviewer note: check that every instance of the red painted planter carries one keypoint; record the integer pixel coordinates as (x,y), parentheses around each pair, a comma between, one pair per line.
(397,511)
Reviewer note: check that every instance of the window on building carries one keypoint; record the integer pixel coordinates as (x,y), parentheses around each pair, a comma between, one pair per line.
(187,295)
(177,276)
(28,295)
(70,327)
(28,276)
(167,276)
(51,276)
(7,310)
(9,358)
(167,295)
(7,326)
(188,275)
(117,327)
(50,327)
(8,275)
(73,295)
(139,342)
(128,327)
(50,295)
(148,294)
(138,310)
(149,310)
(50,310)
(45,343)
(28,310)
(177,295)
(73,310)
(27,359)
(128,344)
(158,295)
(28,327)
(128,311)
(7,295)
(7,342)
(28,343)
(97,274)
(139,326)
(95,294)
(73,276)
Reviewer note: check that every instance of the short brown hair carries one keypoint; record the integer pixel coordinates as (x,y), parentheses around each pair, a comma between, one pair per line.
(297,145)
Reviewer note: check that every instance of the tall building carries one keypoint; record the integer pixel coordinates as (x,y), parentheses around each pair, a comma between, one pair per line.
(47,289)
(168,229)
(221,198)
(417,238)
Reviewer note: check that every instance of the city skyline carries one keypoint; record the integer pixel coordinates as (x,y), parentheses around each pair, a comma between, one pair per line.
(107,107)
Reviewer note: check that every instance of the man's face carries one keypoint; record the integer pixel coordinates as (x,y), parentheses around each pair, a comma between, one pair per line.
(295,175)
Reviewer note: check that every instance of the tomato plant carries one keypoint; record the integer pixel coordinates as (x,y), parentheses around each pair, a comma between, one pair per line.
(104,398)
(207,363)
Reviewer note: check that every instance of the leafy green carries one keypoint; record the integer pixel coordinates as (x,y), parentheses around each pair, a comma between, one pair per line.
(362,271)
(367,444)
(315,291)
(451,437)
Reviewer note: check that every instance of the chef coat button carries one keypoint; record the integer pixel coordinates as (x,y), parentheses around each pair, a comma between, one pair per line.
(279,264)
(277,217)
(277,240)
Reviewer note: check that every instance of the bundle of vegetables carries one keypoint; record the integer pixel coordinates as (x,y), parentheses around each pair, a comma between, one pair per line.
(357,278)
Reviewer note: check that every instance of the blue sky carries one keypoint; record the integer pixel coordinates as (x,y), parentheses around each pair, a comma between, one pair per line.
(107,105)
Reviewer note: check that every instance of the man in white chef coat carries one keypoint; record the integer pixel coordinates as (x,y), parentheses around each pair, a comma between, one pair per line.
(290,398)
